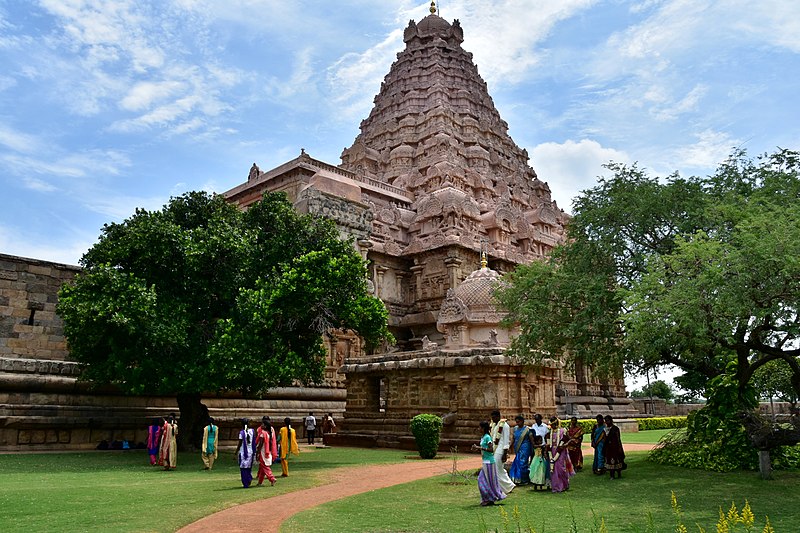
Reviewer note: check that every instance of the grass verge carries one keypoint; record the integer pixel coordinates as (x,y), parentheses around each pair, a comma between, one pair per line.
(119,491)
(433,505)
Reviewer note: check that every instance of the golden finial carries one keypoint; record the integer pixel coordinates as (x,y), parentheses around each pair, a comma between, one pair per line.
(433,7)
(484,255)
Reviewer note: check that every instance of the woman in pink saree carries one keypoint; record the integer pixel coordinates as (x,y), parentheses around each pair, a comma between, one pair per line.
(559,457)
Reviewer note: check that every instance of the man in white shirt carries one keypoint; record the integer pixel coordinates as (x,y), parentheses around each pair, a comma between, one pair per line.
(500,432)
(543,430)
(311,427)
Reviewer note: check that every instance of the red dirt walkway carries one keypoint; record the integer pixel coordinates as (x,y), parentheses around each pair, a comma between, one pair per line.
(267,515)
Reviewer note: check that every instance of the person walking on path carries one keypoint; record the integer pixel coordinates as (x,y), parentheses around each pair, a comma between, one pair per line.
(244,453)
(266,451)
(612,450)
(488,484)
(311,428)
(209,444)
(501,437)
(154,440)
(168,452)
(288,442)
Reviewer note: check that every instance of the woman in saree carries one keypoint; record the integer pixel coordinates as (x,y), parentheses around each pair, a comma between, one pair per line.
(520,472)
(245,453)
(559,457)
(575,434)
(266,451)
(154,440)
(598,443)
(612,450)
(488,484)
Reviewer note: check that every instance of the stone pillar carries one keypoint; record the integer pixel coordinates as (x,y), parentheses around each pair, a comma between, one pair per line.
(380,270)
(452,264)
(417,270)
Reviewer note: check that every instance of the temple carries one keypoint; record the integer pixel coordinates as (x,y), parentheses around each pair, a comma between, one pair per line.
(441,202)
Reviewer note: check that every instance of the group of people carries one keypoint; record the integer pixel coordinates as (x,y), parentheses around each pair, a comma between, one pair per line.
(263,446)
(162,444)
(546,456)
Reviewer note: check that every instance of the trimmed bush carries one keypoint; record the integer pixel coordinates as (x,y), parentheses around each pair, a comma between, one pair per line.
(426,429)
(664,422)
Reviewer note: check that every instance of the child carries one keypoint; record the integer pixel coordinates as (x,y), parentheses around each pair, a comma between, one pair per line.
(538,463)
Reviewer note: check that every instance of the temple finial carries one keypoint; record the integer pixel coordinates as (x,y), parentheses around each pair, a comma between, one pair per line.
(433,7)
(484,255)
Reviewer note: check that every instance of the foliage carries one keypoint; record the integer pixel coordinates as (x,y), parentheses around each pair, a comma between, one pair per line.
(690,272)
(714,438)
(774,380)
(661,422)
(426,429)
(700,273)
(656,389)
(201,297)
(728,521)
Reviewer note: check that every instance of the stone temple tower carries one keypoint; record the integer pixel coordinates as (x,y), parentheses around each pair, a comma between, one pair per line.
(432,180)
(435,133)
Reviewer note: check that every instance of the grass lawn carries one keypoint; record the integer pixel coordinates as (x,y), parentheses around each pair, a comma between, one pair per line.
(119,491)
(433,505)
(644,437)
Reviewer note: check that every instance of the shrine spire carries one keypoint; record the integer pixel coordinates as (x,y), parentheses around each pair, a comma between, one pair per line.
(433,9)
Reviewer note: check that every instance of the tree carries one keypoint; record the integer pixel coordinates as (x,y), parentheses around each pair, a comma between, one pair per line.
(657,389)
(690,272)
(201,298)
(700,273)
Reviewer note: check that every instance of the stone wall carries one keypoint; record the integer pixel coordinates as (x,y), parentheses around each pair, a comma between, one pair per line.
(29,326)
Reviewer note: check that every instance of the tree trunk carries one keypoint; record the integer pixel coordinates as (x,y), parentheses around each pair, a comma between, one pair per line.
(764,464)
(194,416)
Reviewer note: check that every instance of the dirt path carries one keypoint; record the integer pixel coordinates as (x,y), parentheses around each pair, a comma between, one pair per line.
(267,515)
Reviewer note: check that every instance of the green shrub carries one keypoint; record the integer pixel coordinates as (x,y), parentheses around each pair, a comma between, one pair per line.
(663,422)
(426,429)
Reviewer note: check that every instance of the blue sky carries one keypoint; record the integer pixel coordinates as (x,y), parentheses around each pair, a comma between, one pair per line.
(106,106)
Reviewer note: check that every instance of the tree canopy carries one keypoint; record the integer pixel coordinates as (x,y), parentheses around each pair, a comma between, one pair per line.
(693,272)
(657,389)
(201,297)
(699,273)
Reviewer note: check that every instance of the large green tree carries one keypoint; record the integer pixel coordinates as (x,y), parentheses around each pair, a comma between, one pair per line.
(700,273)
(202,298)
(689,272)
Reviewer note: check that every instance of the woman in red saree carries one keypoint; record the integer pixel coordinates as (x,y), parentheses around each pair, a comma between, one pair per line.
(266,451)
(575,435)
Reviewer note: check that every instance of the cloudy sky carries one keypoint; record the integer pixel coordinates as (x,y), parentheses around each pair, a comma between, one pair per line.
(106,106)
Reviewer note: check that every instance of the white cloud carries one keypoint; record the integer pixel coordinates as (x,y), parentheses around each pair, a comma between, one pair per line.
(57,163)
(144,94)
(571,167)
(711,148)
(355,78)
(18,141)
(38,185)
(506,38)
(120,207)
